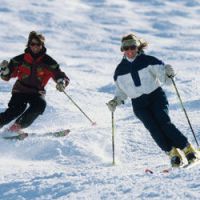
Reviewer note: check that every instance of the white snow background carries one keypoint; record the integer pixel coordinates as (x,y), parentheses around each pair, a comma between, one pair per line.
(84,37)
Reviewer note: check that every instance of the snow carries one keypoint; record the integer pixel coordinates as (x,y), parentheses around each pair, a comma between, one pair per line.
(84,37)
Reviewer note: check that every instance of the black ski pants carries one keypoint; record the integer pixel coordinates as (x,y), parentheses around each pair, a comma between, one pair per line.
(25,107)
(152,110)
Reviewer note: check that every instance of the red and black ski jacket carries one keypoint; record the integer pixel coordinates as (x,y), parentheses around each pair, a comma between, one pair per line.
(33,72)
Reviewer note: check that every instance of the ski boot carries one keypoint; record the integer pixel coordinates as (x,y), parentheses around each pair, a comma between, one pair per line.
(17,130)
(175,157)
(190,153)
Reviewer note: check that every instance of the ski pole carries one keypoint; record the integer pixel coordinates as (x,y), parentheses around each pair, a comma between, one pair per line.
(184,110)
(93,123)
(113,138)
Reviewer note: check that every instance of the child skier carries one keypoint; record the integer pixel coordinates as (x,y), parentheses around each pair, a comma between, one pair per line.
(33,69)
(138,77)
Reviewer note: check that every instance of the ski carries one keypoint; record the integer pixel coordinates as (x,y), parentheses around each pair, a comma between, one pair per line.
(163,171)
(23,135)
(193,164)
(20,136)
(61,133)
(167,170)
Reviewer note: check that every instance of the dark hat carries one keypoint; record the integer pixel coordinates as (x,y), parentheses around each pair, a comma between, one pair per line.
(37,36)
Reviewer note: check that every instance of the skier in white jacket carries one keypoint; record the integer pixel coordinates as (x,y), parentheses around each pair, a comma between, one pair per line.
(139,76)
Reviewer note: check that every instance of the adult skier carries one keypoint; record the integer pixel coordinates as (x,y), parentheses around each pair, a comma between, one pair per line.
(33,69)
(138,77)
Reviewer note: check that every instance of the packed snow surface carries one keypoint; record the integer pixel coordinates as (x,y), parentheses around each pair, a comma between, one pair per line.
(84,37)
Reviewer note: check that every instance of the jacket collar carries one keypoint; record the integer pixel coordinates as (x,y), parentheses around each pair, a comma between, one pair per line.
(30,57)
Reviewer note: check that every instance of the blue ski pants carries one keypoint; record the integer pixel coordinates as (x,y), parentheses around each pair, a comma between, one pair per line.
(152,110)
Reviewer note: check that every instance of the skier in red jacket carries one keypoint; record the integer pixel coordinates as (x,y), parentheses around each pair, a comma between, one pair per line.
(33,69)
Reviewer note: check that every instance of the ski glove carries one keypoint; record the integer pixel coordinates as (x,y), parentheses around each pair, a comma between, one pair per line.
(4,68)
(61,85)
(169,71)
(112,104)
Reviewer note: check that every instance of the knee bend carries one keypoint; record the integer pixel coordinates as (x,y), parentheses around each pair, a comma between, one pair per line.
(39,107)
(42,106)
(165,123)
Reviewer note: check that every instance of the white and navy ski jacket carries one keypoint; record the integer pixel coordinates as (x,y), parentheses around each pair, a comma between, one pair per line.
(141,76)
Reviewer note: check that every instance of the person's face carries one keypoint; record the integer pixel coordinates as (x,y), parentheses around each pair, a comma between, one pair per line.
(35,46)
(130,51)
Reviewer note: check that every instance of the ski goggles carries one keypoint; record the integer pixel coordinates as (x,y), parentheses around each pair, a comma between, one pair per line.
(35,44)
(132,47)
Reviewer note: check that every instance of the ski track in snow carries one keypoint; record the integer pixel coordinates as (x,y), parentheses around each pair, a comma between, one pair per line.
(84,37)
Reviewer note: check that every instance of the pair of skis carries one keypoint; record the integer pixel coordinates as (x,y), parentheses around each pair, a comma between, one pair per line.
(170,169)
(23,135)
(62,133)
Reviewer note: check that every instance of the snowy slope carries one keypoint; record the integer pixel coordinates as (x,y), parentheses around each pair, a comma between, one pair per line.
(84,37)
